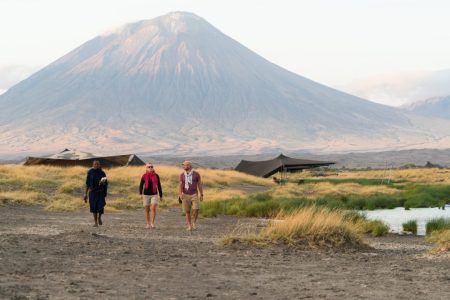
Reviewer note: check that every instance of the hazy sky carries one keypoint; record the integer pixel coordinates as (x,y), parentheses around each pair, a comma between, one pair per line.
(334,42)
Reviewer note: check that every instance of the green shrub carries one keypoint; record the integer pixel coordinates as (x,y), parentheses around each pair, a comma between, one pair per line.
(426,195)
(376,228)
(410,226)
(357,203)
(437,224)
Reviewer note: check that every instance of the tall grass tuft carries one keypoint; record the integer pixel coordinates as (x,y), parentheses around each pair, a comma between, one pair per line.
(410,226)
(442,238)
(310,227)
(376,228)
(437,224)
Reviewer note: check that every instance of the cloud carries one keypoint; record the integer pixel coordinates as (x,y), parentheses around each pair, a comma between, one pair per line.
(13,74)
(401,88)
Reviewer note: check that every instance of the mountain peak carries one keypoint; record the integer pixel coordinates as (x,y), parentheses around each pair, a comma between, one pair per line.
(171,23)
(181,15)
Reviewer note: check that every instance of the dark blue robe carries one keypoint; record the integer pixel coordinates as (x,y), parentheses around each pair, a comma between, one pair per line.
(97,192)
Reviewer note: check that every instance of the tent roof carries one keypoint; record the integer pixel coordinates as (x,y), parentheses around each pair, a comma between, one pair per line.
(267,168)
(79,158)
(71,154)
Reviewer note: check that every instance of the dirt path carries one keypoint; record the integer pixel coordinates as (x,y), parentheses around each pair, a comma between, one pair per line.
(59,255)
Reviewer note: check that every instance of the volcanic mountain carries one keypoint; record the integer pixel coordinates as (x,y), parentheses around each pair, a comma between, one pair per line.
(176,84)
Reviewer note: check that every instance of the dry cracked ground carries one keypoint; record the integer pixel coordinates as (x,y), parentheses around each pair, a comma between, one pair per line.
(49,255)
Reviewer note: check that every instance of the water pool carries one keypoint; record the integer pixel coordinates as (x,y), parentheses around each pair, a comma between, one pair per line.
(397,216)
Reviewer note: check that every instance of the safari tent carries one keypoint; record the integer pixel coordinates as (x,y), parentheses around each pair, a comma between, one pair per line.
(282,163)
(69,158)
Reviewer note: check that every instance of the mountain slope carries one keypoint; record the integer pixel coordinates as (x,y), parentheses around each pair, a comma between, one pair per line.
(437,107)
(176,84)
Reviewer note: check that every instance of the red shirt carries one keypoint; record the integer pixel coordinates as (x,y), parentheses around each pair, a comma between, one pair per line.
(192,187)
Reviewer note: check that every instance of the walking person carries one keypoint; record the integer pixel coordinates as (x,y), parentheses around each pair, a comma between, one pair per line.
(96,191)
(149,188)
(191,194)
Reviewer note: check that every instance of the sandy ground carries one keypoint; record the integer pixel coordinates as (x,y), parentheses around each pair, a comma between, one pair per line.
(61,256)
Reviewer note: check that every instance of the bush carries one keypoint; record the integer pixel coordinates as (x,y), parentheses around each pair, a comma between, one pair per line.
(376,228)
(437,225)
(426,195)
(410,226)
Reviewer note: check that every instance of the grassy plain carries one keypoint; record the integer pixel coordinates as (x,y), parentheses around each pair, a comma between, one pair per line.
(62,189)
(226,191)
(306,203)
(363,190)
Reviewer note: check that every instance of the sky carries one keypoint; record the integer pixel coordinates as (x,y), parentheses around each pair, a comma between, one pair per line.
(346,44)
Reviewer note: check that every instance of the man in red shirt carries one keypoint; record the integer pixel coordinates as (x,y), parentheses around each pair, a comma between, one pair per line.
(189,189)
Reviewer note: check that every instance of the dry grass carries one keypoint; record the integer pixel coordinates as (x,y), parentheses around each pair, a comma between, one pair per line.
(218,184)
(310,222)
(429,176)
(309,227)
(442,239)
(62,189)
(66,203)
(65,186)
(315,190)
(25,197)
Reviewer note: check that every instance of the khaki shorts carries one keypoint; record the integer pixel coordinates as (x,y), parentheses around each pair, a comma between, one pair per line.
(149,199)
(190,201)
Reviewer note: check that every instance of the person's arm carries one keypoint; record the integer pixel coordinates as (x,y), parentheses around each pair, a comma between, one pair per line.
(141,186)
(160,188)
(86,194)
(105,192)
(87,188)
(180,186)
(200,187)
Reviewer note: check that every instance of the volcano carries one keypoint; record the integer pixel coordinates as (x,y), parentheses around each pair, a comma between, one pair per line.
(176,84)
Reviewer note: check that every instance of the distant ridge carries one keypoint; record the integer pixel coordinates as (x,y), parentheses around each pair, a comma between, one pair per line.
(177,85)
(437,107)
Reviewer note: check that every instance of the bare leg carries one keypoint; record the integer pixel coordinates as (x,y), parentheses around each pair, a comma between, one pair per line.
(195,216)
(100,219)
(95,219)
(147,215)
(152,215)
(188,219)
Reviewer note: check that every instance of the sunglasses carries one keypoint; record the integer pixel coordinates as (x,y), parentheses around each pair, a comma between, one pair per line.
(149,167)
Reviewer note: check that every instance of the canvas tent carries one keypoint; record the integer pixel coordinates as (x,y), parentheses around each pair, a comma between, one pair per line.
(69,158)
(281,163)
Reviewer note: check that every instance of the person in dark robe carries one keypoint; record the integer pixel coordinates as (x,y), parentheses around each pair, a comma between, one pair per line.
(96,191)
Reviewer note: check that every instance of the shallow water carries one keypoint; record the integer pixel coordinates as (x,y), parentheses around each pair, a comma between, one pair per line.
(397,216)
